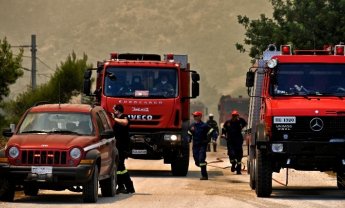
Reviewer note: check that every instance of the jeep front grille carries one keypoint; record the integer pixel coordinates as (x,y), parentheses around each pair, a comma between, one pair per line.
(43,157)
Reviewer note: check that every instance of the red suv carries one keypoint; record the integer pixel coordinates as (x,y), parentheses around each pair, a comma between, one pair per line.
(58,147)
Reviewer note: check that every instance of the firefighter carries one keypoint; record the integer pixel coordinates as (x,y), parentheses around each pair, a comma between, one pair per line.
(232,132)
(121,131)
(213,124)
(201,134)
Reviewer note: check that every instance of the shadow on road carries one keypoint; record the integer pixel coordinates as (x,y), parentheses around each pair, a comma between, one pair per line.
(302,193)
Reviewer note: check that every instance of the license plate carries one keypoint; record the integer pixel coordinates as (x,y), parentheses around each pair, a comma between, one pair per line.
(40,170)
(139,152)
(284,120)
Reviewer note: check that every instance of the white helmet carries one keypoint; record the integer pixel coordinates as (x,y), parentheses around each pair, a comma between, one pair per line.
(210,115)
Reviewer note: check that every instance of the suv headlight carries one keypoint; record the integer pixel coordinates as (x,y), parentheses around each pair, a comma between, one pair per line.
(13,152)
(75,153)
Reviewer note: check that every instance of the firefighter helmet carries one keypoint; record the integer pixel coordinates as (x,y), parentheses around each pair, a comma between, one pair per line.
(235,112)
(197,113)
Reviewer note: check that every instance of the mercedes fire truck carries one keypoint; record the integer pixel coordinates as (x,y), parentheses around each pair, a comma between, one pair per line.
(296,114)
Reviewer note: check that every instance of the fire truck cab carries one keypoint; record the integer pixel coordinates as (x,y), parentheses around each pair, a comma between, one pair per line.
(156,96)
(296,114)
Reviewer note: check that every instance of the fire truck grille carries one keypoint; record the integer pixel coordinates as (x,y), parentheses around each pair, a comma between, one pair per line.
(43,157)
(312,128)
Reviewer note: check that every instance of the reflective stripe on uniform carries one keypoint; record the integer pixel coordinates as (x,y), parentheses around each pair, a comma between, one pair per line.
(202,164)
(119,172)
(190,133)
(210,131)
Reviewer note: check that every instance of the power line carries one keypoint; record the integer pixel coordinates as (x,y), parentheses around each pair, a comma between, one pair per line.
(45,64)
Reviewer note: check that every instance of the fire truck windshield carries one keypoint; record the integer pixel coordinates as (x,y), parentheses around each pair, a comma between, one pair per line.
(141,82)
(308,79)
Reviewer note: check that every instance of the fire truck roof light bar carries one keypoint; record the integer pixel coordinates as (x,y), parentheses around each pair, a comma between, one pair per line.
(285,49)
(339,50)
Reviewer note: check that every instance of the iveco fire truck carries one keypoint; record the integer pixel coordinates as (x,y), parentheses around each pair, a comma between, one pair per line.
(156,96)
(296,114)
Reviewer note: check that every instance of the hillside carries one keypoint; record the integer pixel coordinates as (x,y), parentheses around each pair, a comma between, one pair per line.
(206,30)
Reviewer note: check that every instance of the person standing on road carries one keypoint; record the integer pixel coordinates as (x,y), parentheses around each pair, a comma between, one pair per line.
(200,133)
(213,124)
(121,131)
(232,132)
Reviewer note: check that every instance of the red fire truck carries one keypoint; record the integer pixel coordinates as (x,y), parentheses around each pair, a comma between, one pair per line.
(227,104)
(296,114)
(156,96)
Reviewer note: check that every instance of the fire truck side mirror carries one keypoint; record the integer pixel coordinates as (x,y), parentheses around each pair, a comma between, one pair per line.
(250,79)
(195,89)
(195,77)
(87,86)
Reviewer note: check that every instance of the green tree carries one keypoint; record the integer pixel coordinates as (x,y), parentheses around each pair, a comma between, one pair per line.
(67,81)
(304,24)
(10,67)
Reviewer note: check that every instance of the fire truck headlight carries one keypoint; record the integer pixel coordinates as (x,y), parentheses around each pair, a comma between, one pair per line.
(13,152)
(75,153)
(272,63)
(277,147)
(172,137)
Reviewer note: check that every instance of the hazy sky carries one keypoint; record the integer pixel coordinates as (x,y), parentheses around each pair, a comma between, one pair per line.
(206,30)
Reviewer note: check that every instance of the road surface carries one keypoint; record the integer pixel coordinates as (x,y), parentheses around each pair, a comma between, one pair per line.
(156,187)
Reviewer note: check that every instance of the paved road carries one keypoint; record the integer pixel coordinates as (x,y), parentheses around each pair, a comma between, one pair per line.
(155,187)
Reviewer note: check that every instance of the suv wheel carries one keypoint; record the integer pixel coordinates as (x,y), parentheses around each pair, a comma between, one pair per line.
(31,189)
(90,189)
(7,190)
(108,186)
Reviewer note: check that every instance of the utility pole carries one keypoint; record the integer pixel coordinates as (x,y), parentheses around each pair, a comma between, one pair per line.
(33,61)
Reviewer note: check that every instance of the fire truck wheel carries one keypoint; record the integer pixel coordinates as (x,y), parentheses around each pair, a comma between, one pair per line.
(251,169)
(31,189)
(90,189)
(179,165)
(341,180)
(263,174)
(7,190)
(108,186)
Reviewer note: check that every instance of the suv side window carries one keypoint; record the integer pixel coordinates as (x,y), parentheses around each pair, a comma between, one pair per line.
(104,119)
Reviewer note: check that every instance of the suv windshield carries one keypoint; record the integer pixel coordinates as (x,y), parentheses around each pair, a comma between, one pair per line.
(50,122)
(141,82)
(309,79)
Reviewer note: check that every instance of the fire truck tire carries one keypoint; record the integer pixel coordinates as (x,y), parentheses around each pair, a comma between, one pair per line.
(90,189)
(251,168)
(263,174)
(108,186)
(7,190)
(180,164)
(31,189)
(341,180)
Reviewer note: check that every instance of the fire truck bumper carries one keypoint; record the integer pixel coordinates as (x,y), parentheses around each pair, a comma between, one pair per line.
(300,155)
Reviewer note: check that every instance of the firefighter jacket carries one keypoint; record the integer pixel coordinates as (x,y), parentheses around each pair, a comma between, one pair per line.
(200,133)
(233,130)
(122,135)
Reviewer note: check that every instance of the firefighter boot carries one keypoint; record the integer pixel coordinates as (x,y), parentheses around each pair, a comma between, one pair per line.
(128,183)
(204,175)
(233,165)
(120,186)
(238,168)
(214,146)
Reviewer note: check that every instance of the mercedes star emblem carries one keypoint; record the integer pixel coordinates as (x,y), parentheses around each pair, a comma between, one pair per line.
(316,124)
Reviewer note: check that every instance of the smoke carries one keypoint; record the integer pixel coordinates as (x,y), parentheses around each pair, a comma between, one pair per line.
(206,30)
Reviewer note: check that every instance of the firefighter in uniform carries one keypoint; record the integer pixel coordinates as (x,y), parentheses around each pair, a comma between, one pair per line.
(121,130)
(213,124)
(232,132)
(201,134)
